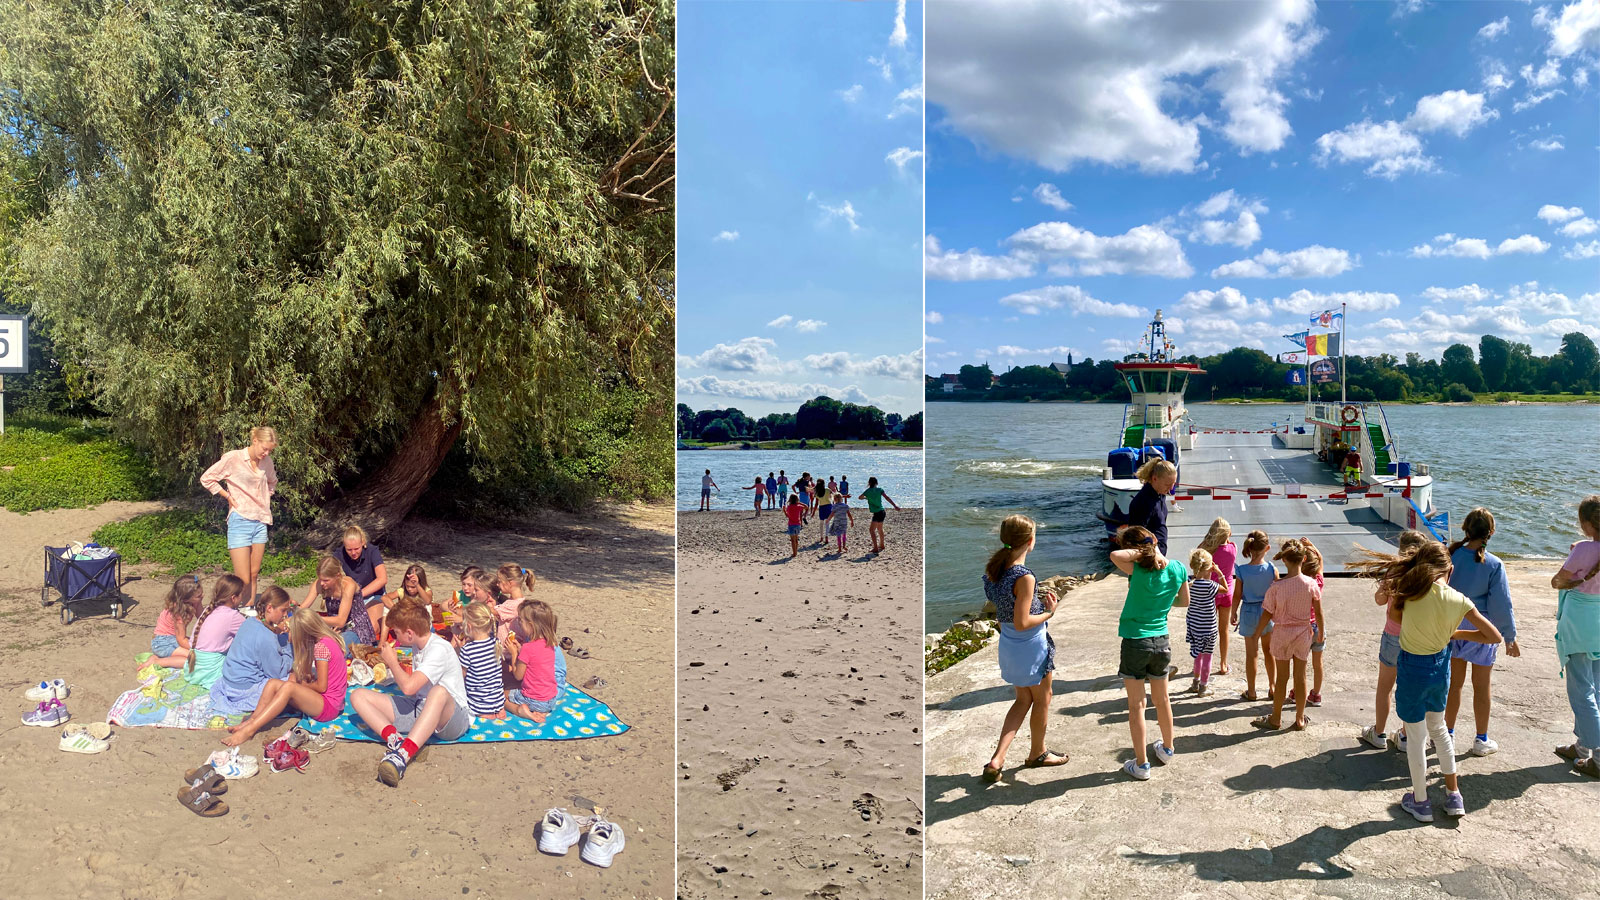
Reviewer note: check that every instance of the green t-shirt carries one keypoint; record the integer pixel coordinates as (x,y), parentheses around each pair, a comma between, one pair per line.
(1427,622)
(874,498)
(1150,597)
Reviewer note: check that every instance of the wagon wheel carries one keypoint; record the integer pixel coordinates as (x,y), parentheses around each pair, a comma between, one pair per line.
(44,595)
(66,614)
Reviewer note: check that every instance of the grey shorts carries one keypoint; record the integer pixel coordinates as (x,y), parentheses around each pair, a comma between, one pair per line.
(1145,657)
(406,710)
(1317,641)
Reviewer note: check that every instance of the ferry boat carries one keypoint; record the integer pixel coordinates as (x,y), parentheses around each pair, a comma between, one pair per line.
(1286,480)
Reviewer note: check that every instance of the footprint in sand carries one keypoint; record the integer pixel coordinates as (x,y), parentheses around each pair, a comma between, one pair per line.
(869,807)
(730,778)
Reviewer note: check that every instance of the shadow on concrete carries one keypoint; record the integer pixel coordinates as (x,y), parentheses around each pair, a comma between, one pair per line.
(975,795)
(1284,861)
(1005,693)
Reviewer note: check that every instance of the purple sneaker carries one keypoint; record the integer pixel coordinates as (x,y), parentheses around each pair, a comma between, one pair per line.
(1454,805)
(49,714)
(1422,812)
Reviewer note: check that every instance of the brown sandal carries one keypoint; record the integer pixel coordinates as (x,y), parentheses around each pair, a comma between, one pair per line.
(1265,724)
(1040,762)
(206,779)
(1568,753)
(1589,767)
(202,803)
(1248,696)
(991,774)
(1301,725)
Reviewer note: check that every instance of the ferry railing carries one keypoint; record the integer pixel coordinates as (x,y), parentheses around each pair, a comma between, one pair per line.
(1394,449)
(1127,410)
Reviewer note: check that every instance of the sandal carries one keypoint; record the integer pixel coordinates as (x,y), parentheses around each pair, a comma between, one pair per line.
(1248,696)
(202,803)
(1265,724)
(205,778)
(1589,767)
(991,774)
(1301,725)
(1569,753)
(1040,761)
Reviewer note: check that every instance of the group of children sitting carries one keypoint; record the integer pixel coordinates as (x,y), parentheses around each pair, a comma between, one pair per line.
(450,659)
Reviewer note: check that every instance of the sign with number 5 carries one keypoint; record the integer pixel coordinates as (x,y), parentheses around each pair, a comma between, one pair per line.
(13,345)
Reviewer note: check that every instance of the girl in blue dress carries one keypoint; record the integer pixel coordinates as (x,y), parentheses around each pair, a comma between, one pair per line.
(1027,654)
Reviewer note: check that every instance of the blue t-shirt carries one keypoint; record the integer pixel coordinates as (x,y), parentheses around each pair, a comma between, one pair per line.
(363,569)
(1485,583)
(844,487)
(1254,580)
(772,485)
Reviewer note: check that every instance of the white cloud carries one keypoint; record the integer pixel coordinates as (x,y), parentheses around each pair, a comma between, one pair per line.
(897,37)
(1242,232)
(1455,111)
(1227,301)
(1467,293)
(1548,144)
(751,354)
(1580,77)
(1580,227)
(1577,28)
(1388,147)
(1496,77)
(1305,302)
(780,322)
(1142,250)
(1534,99)
(907,102)
(881,63)
(845,211)
(726,236)
(1526,243)
(1583,251)
(1315,261)
(902,155)
(1546,76)
(933,318)
(1070,297)
(1403,8)
(770,391)
(1050,196)
(807,326)
(1049,353)
(851,94)
(1552,213)
(903,366)
(930,339)
(1005,82)
(970,265)
(1494,29)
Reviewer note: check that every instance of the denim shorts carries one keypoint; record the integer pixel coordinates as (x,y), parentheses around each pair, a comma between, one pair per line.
(1317,640)
(792,530)
(244,532)
(540,706)
(1389,649)
(164,645)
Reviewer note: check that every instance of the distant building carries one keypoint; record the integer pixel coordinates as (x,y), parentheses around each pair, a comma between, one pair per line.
(951,383)
(1064,368)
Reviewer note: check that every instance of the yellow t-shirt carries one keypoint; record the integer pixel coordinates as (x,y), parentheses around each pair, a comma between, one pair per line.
(1427,622)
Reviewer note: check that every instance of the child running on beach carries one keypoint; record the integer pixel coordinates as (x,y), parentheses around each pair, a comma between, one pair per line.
(1429,610)
(478,652)
(540,665)
(841,520)
(1289,608)
(772,491)
(1482,577)
(1224,556)
(1155,585)
(794,511)
(1376,735)
(170,642)
(875,496)
(1027,653)
(824,510)
(315,687)
(1200,624)
(433,702)
(213,631)
(1578,638)
(760,488)
(1253,579)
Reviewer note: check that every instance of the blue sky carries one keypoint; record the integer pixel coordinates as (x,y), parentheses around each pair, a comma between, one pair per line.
(800,139)
(1243,164)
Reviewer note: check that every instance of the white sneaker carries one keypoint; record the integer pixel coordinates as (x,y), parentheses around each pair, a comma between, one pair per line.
(1161,753)
(1483,746)
(55,689)
(558,831)
(604,843)
(1374,738)
(1136,771)
(230,765)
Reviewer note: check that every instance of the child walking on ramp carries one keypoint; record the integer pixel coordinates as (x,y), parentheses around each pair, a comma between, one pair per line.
(1200,624)
(1155,585)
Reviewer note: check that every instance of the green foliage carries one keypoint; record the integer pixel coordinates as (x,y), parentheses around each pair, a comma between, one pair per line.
(1457,392)
(717,432)
(960,642)
(183,541)
(912,429)
(976,378)
(60,463)
(338,219)
(818,419)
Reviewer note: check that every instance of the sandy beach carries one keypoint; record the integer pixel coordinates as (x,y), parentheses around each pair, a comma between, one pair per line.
(461,824)
(799,711)
(1245,813)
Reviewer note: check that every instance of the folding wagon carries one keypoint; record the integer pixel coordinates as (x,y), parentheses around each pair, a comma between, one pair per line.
(78,580)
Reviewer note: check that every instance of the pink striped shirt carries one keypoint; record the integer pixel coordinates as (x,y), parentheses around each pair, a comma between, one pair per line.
(250,487)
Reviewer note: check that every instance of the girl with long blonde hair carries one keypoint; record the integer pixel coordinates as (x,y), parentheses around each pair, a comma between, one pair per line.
(316,685)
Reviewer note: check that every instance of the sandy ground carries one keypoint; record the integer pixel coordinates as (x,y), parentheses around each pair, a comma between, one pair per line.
(799,726)
(462,823)
(1244,813)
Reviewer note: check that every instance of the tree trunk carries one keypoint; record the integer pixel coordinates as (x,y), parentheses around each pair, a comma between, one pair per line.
(387,496)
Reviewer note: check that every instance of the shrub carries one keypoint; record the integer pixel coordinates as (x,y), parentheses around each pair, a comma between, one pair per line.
(1456,392)
(51,472)
(181,540)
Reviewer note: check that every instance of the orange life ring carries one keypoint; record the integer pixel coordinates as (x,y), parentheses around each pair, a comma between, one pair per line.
(1349,415)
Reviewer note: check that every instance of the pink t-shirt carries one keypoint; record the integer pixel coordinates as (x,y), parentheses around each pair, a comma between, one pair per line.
(1391,625)
(1580,561)
(539,678)
(507,612)
(329,651)
(1289,601)
(1224,557)
(216,635)
(167,623)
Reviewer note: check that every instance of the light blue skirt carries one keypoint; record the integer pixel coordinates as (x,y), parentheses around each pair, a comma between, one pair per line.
(1249,618)
(1025,656)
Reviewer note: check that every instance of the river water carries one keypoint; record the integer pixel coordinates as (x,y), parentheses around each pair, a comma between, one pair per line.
(899,472)
(1528,464)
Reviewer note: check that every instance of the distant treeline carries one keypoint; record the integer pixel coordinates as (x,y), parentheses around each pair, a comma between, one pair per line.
(819,418)
(1498,366)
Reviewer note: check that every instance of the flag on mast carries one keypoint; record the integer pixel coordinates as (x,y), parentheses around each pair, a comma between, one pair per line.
(1326,318)
(1322,344)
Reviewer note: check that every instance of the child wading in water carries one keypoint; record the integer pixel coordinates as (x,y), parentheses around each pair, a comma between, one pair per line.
(795,512)
(1027,654)
(1482,577)
(1429,610)
(1578,638)
(1289,608)
(1200,625)
(170,642)
(1376,735)
(1224,555)
(1155,585)
(841,519)
(1253,580)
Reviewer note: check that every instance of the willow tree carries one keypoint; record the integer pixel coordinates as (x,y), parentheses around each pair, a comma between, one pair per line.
(381,227)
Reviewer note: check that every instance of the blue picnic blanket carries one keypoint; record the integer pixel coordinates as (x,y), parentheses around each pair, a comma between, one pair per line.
(579,717)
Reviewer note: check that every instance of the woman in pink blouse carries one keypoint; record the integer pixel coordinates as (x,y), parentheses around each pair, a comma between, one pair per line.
(246,479)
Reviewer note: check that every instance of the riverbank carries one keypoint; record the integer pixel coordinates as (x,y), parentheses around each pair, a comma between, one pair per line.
(799,723)
(1245,813)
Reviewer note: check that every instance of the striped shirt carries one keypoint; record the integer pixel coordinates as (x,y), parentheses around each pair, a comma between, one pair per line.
(480,669)
(1200,623)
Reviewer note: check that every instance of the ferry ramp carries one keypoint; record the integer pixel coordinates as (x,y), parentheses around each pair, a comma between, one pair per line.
(1217,476)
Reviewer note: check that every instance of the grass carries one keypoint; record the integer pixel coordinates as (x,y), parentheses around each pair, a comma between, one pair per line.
(960,642)
(182,541)
(54,462)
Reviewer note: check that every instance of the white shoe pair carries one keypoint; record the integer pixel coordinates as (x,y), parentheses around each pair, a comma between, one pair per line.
(55,689)
(559,830)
